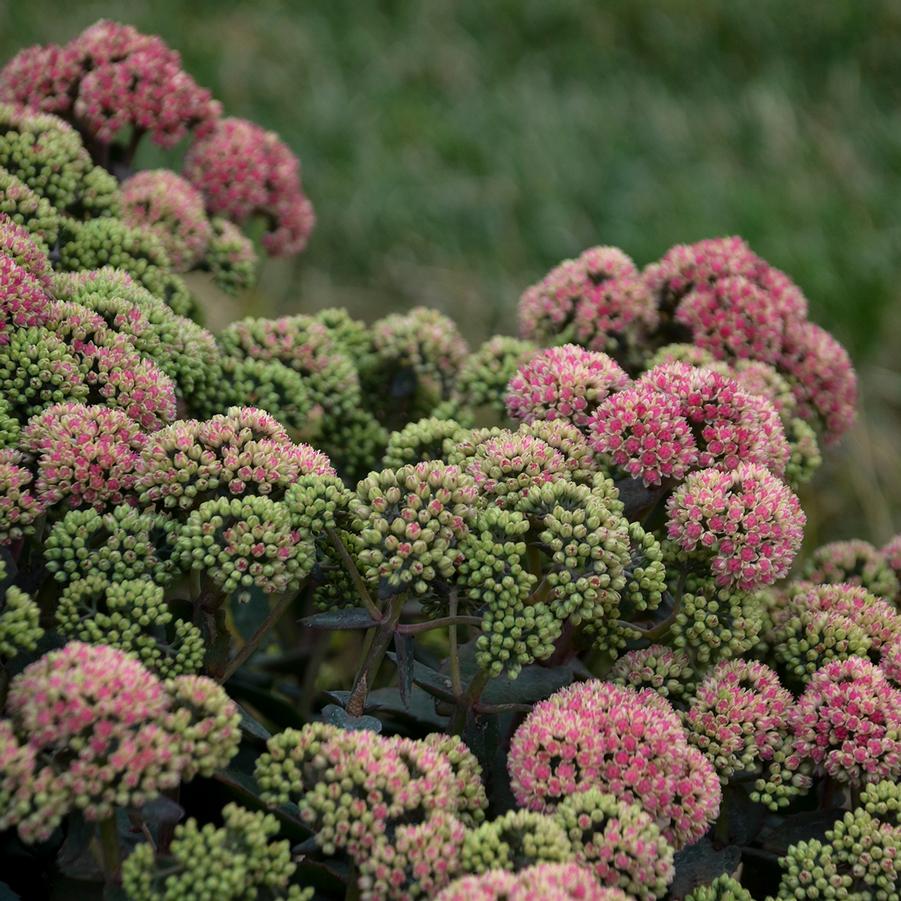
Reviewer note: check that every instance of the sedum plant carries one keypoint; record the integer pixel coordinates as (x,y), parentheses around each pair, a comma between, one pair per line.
(316,607)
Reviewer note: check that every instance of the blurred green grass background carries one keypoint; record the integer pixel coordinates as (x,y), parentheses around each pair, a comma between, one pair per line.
(456,149)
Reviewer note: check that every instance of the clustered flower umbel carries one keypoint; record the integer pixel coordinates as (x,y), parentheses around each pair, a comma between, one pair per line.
(854,562)
(846,725)
(91,729)
(393,804)
(716,293)
(546,881)
(628,744)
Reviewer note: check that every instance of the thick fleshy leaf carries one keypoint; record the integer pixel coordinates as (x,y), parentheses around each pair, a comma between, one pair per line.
(338,716)
(346,618)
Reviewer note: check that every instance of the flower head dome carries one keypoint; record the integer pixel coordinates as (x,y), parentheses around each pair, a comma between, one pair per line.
(619,842)
(565,382)
(547,309)
(515,840)
(746,523)
(659,668)
(890,662)
(124,543)
(242,170)
(737,716)
(419,441)
(822,377)
(108,78)
(231,257)
(853,562)
(729,425)
(84,455)
(171,208)
(20,502)
(26,251)
(107,733)
(599,735)
(410,522)
(689,266)
(23,298)
(643,433)
(733,317)
(846,725)
(544,881)
(28,209)
(20,629)
(484,374)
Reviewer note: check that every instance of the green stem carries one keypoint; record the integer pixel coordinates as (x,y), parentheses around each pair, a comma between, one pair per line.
(249,646)
(383,637)
(456,683)
(354,573)
(109,849)
(468,701)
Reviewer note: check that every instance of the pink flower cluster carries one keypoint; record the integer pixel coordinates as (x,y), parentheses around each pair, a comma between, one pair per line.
(565,382)
(85,456)
(541,882)
(628,744)
(747,523)
(90,728)
(890,661)
(738,716)
(507,465)
(23,298)
(891,552)
(19,503)
(847,724)
(20,245)
(243,451)
(642,432)
(108,78)
(243,170)
(172,208)
(550,306)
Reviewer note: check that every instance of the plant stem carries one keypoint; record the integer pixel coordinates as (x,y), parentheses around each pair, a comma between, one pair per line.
(354,574)
(109,849)
(468,701)
(249,646)
(383,636)
(456,684)
(452,621)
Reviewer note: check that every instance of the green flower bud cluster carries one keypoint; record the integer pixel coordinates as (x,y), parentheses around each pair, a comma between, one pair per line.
(681,353)
(619,842)
(353,337)
(133,617)
(37,369)
(418,861)
(817,623)
(853,562)
(354,788)
(137,251)
(419,441)
(882,801)
(122,544)
(245,542)
(20,504)
(805,457)
(28,209)
(645,574)
(661,669)
(186,352)
(515,841)
(714,623)
(20,628)
(419,355)
(270,386)
(47,154)
(723,888)
(230,257)
(482,379)
(352,441)
(204,863)
(410,522)
(494,577)
(471,800)
(859,858)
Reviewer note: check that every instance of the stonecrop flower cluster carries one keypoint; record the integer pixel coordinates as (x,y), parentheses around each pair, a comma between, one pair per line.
(311,607)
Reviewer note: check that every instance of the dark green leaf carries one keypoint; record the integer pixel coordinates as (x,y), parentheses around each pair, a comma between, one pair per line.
(269,703)
(420,706)
(534,683)
(7,894)
(253,726)
(780,832)
(348,618)
(435,683)
(338,716)
(249,609)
